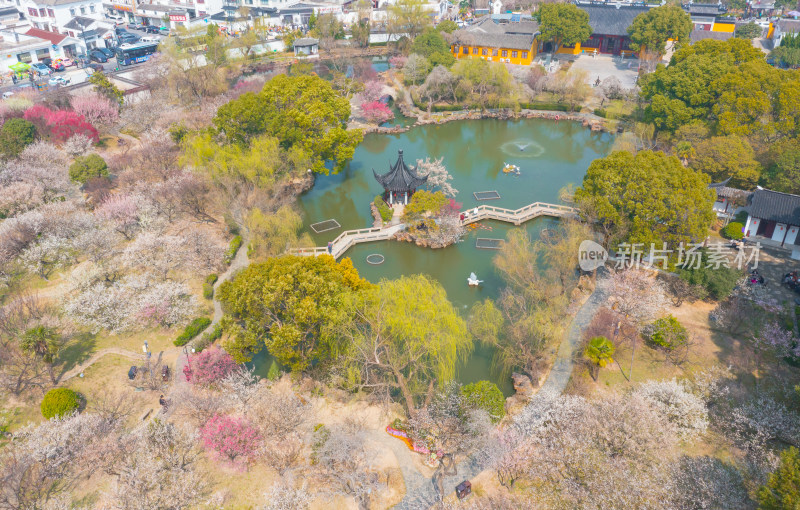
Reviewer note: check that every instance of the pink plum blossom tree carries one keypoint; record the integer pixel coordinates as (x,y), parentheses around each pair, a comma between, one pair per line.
(209,367)
(231,438)
(376,112)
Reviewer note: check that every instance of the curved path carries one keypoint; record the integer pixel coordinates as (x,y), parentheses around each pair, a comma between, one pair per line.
(421,492)
(239,262)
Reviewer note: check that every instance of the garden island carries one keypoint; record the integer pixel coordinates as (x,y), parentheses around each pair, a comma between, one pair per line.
(402,255)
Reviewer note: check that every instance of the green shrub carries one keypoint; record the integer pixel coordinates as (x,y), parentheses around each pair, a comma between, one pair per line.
(208,338)
(212,278)
(60,402)
(178,132)
(236,243)
(600,112)
(554,107)
(487,396)
(208,291)
(734,230)
(192,330)
(716,283)
(15,135)
(384,210)
(666,332)
(88,167)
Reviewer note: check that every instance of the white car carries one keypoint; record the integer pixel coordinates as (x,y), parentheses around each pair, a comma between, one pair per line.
(59,81)
(8,94)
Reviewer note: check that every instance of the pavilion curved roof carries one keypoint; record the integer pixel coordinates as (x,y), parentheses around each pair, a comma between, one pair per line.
(400,177)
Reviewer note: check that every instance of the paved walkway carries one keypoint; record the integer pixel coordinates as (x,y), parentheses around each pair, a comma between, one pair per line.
(420,490)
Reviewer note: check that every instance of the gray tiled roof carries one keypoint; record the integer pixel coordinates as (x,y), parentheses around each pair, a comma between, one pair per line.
(773,205)
(612,19)
(699,35)
(723,190)
(305,41)
(789,26)
(79,22)
(516,36)
(712,9)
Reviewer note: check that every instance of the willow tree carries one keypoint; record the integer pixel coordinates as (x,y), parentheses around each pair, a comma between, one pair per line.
(403,336)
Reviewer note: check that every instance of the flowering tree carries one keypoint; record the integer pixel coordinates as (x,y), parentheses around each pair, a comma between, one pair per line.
(376,112)
(373,90)
(398,61)
(96,109)
(78,145)
(61,124)
(122,212)
(209,367)
(438,176)
(231,438)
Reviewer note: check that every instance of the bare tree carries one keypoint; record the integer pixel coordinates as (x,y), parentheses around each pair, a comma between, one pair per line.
(154,469)
(346,462)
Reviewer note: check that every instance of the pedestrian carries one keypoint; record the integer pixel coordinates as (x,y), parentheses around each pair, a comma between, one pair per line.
(14,78)
(330,248)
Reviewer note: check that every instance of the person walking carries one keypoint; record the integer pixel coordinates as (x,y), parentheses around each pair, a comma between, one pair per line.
(330,248)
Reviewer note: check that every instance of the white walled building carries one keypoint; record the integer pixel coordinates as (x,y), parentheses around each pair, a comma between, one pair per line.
(33,46)
(53,15)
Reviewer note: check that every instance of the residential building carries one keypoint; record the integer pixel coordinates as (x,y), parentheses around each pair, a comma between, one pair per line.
(35,45)
(782,28)
(512,43)
(306,46)
(53,15)
(773,218)
(91,32)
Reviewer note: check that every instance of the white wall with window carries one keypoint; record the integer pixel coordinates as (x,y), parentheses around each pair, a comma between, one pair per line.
(52,15)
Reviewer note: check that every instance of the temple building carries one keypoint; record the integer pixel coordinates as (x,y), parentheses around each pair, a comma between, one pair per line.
(400,182)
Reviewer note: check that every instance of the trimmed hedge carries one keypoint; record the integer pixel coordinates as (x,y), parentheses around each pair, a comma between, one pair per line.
(733,230)
(60,402)
(208,338)
(384,210)
(600,112)
(554,107)
(192,330)
(208,286)
(236,243)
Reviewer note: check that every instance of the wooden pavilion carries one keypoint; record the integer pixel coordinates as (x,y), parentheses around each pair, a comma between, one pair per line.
(400,182)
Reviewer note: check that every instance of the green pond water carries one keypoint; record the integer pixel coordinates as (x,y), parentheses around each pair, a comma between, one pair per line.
(550,155)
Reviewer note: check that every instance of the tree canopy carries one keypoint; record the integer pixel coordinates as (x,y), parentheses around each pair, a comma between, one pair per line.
(431,45)
(723,157)
(563,24)
(300,112)
(288,304)
(648,198)
(727,84)
(782,490)
(403,335)
(651,30)
(408,17)
(749,31)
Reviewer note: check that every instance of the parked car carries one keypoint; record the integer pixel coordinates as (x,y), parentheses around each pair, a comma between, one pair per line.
(66,62)
(41,69)
(128,38)
(97,56)
(7,94)
(134,26)
(92,67)
(105,51)
(150,29)
(150,39)
(59,81)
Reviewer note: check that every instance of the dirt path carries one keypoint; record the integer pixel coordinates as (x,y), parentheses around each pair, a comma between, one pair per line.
(421,492)
(96,357)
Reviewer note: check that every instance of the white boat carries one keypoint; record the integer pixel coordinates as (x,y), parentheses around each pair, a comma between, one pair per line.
(473,280)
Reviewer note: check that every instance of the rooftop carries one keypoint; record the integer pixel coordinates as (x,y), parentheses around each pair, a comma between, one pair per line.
(775,206)
(699,35)
(79,22)
(788,26)
(517,36)
(400,178)
(612,19)
(305,41)
(723,190)
(53,37)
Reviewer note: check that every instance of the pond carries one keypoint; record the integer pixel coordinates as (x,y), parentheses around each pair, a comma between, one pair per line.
(550,155)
